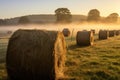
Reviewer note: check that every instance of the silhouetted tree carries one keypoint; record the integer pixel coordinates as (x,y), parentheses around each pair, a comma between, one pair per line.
(24,20)
(112,18)
(1,21)
(63,15)
(93,15)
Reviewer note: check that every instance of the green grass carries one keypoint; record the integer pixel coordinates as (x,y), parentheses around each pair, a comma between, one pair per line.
(98,62)
(3,48)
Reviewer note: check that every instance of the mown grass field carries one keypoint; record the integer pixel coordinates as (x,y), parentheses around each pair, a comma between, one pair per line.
(98,62)
(3,48)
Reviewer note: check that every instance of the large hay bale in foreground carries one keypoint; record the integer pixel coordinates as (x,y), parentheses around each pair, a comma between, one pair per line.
(111,33)
(66,32)
(35,55)
(103,34)
(84,38)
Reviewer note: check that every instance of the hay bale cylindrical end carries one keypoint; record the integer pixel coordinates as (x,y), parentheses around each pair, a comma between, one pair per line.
(66,32)
(117,32)
(35,55)
(93,30)
(84,38)
(103,34)
(111,33)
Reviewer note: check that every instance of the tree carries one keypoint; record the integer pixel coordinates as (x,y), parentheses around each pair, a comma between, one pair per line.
(93,15)
(24,20)
(112,18)
(63,15)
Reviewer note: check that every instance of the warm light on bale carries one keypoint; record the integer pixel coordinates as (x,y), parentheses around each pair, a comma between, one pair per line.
(103,34)
(66,32)
(35,55)
(117,32)
(84,38)
(111,33)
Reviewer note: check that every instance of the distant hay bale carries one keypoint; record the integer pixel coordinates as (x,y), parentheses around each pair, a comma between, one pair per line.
(35,55)
(66,32)
(111,33)
(117,32)
(84,30)
(93,30)
(9,32)
(103,34)
(84,38)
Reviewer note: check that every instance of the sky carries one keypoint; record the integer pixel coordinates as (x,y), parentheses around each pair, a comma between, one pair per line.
(16,8)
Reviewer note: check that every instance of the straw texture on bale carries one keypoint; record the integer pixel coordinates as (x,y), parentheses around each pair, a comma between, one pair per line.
(117,32)
(35,55)
(84,38)
(103,34)
(66,32)
(111,33)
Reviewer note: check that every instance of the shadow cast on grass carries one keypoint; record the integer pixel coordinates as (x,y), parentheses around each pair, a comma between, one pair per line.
(72,47)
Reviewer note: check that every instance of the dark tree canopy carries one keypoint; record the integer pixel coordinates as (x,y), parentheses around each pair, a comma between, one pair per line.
(93,15)
(24,20)
(1,21)
(112,18)
(63,15)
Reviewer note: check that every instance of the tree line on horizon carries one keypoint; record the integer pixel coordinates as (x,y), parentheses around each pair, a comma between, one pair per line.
(63,15)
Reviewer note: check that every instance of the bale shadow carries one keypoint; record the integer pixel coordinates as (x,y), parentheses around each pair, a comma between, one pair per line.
(74,46)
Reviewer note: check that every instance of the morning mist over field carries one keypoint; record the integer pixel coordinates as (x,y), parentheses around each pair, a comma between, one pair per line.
(59,27)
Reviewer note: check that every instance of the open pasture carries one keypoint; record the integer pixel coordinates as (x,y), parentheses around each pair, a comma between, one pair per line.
(100,61)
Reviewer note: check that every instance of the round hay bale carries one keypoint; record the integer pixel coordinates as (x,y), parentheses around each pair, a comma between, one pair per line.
(9,32)
(84,30)
(66,32)
(112,33)
(103,34)
(84,38)
(93,30)
(117,32)
(35,55)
